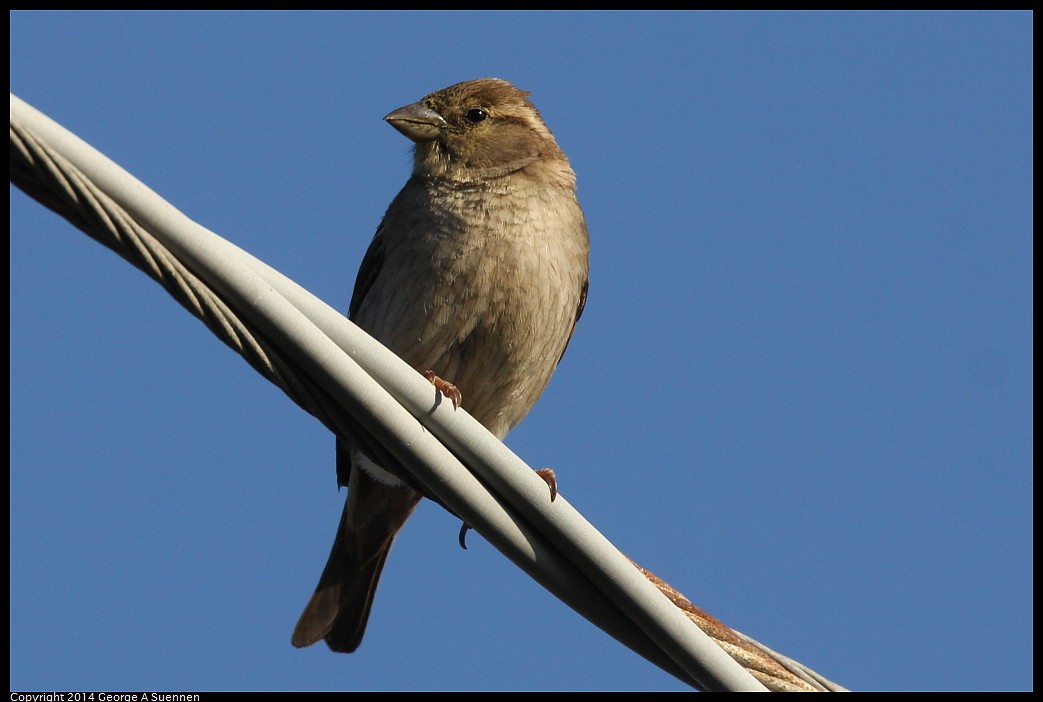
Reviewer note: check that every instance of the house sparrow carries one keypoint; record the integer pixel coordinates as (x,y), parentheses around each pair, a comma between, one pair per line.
(476,277)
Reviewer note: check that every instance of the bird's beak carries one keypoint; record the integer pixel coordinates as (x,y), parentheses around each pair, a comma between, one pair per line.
(417,121)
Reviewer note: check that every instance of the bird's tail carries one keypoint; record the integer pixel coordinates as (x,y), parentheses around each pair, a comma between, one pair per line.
(339,609)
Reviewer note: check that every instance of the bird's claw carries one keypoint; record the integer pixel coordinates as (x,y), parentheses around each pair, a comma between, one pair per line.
(451,392)
(548,477)
(551,479)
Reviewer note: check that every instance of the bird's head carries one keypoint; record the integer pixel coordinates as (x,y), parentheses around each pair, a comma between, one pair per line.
(476,130)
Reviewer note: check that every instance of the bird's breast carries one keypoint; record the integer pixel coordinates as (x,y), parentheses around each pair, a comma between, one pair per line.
(482,288)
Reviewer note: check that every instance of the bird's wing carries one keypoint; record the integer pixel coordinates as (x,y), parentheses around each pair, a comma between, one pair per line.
(372,262)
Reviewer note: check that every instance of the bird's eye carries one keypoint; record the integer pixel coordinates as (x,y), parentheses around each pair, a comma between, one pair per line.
(476,115)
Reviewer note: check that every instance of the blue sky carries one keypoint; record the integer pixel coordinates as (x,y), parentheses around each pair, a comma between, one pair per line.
(801,391)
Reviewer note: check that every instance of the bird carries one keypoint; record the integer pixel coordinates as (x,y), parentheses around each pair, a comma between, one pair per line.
(476,277)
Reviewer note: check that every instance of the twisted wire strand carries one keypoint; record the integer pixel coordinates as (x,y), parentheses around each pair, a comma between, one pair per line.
(50,179)
(775,671)
(57,184)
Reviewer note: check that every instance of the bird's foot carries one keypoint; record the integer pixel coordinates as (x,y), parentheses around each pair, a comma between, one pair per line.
(548,477)
(551,479)
(451,392)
